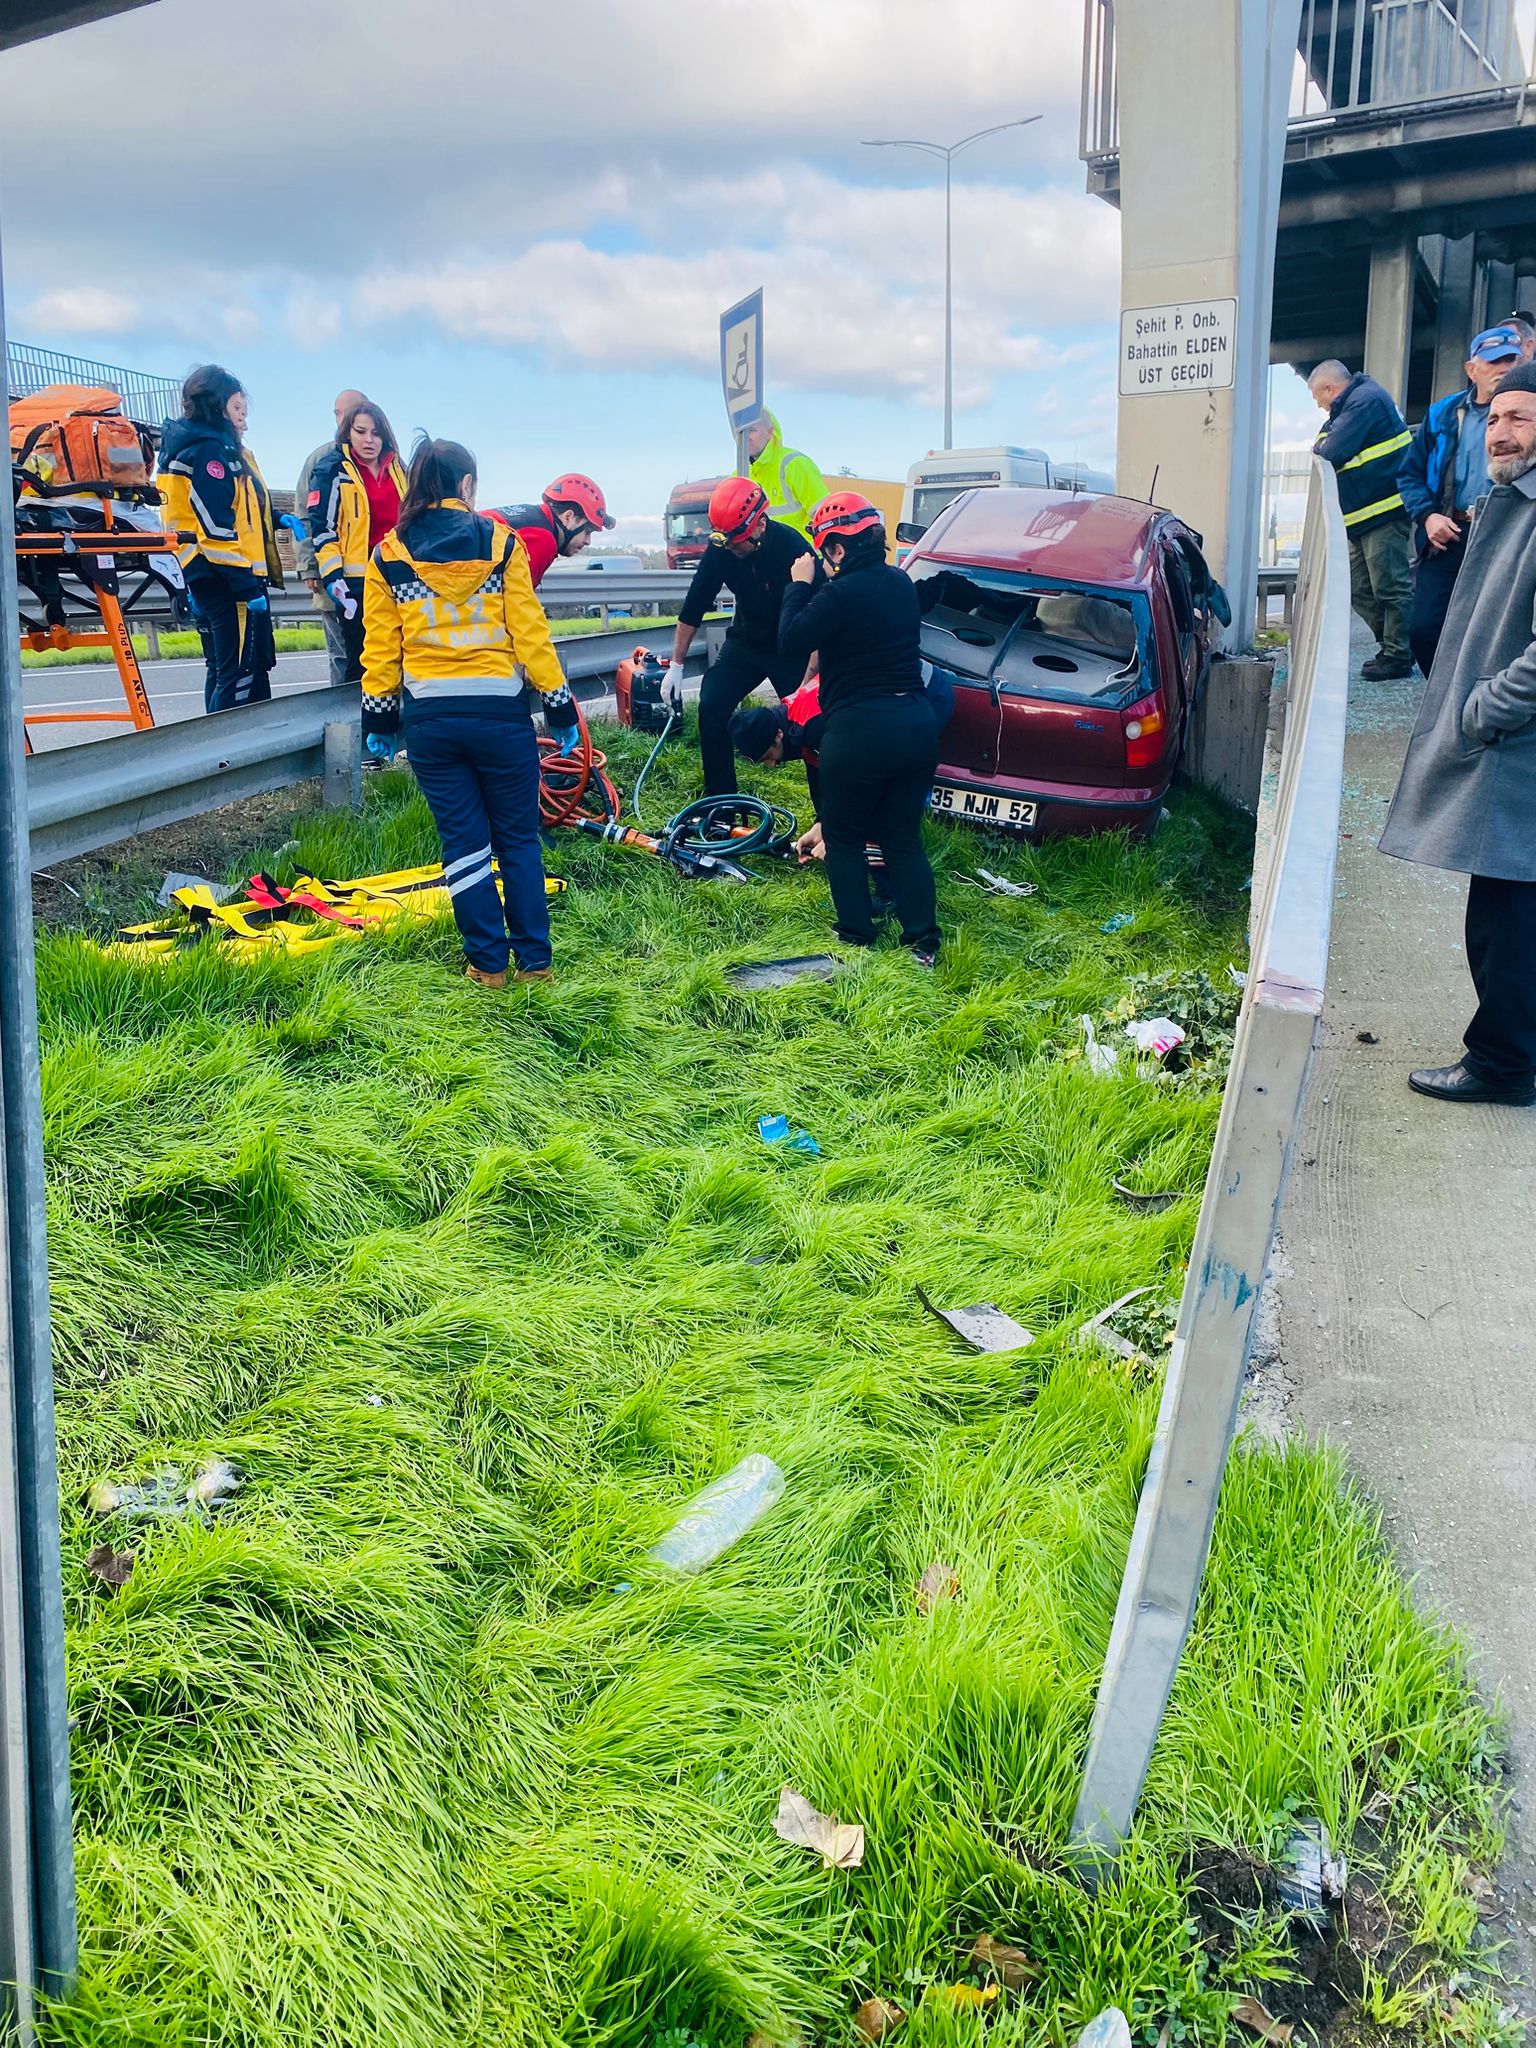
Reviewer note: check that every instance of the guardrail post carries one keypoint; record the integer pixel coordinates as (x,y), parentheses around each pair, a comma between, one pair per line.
(151,639)
(343,787)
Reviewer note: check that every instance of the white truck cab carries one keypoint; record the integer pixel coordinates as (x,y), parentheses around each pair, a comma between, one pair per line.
(943,474)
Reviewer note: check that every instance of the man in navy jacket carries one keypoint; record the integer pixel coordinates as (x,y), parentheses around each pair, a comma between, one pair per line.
(1444,473)
(1364,437)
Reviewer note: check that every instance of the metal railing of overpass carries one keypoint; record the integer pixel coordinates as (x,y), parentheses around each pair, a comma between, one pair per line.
(1353,57)
(146,398)
(1260,1114)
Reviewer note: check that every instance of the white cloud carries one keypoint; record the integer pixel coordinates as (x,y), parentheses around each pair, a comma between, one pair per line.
(83,309)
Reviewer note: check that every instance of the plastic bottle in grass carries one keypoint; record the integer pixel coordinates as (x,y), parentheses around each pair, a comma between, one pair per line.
(721,1515)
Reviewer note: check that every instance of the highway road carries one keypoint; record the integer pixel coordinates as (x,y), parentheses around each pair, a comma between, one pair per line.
(175,691)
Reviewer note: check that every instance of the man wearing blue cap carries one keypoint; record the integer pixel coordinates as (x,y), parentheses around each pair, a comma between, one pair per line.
(1443,474)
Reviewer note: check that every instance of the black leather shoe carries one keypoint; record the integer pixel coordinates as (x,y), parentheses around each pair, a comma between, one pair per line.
(1383,668)
(1455,1084)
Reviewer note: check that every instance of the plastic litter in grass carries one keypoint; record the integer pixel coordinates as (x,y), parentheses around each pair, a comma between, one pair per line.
(721,1515)
(1102,1059)
(1109,2029)
(219,891)
(1312,1879)
(1118,921)
(167,1493)
(1156,1035)
(1001,886)
(777,1130)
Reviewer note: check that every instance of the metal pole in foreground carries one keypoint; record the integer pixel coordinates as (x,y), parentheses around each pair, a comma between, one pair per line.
(38,1941)
(949,151)
(949,321)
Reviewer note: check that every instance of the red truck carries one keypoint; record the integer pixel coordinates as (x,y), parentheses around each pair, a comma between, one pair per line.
(687,522)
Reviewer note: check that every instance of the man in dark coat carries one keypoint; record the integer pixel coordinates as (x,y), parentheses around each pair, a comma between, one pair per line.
(1466,799)
(1364,437)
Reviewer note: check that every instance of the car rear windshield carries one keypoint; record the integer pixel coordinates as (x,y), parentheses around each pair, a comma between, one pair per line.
(1070,642)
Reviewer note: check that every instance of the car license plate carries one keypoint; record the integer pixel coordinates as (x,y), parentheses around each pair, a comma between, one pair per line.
(982,808)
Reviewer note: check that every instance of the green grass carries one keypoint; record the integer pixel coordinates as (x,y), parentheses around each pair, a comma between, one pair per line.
(410,1745)
(177,646)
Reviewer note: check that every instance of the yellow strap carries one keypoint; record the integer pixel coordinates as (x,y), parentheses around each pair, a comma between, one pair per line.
(1376,449)
(1392,504)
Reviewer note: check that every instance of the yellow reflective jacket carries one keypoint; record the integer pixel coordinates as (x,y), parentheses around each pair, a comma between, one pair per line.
(453,616)
(794,484)
(335,510)
(212,489)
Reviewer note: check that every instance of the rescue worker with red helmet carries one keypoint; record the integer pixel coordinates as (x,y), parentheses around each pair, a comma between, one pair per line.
(878,743)
(750,555)
(563,522)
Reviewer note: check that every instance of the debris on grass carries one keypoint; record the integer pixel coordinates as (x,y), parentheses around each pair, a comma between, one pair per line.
(983,1325)
(1188,998)
(721,1515)
(1253,2013)
(1366,1038)
(219,891)
(1312,1879)
(1157,1035)
(761,974)
(1102,1059)
(167,1493)
(1097,1329)
(1000,885)
(114,1568)
(839,1844)
(939,1582)
(1118,921)
(878,2017)
(777,1130)
(1150,1203)
(1012,1968)
(1108,2029)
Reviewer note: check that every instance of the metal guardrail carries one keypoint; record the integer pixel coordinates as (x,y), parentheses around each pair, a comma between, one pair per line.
(1260,1112)
(84,797)
(1357,57)
(147,398)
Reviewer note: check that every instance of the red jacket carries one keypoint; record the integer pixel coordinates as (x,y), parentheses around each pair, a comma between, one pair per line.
(534,526)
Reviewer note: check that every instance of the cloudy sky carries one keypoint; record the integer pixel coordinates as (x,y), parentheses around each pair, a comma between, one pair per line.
(518,224)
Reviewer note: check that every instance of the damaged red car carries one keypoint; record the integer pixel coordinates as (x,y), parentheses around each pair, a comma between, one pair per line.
(1078,632)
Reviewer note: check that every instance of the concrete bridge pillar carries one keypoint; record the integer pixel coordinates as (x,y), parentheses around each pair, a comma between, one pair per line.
(1389,312)
(1199,203)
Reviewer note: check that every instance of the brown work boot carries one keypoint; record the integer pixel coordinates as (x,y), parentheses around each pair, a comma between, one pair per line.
(481,979)
(534,974)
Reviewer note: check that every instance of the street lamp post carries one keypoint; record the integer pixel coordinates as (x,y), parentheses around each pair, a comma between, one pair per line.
(949,151)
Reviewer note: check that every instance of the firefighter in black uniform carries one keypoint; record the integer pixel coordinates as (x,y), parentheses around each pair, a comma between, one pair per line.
(750,555)
(878,736)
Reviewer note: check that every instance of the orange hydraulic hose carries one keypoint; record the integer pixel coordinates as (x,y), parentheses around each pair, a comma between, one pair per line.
(575,786)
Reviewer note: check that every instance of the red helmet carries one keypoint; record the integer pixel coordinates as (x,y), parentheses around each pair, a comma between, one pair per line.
(580,492)
(841,516)
(734,508)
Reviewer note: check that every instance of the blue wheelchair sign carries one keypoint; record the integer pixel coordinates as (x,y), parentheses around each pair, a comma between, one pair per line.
(741,361)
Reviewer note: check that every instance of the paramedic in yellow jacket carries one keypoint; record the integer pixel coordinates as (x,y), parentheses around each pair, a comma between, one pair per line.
(451,625)
(791,481)
(352,502)
(213,490)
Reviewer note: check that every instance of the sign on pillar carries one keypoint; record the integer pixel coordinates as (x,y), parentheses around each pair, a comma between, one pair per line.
(1191,346)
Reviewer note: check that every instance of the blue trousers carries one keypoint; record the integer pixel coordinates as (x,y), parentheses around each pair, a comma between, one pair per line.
(479,771)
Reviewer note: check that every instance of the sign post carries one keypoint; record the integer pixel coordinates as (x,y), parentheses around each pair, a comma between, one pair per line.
(741,369)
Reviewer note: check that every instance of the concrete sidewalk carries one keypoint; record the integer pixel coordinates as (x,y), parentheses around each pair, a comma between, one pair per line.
(1407,1284)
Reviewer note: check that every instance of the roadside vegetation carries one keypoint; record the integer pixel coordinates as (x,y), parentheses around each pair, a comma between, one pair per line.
(408,1742)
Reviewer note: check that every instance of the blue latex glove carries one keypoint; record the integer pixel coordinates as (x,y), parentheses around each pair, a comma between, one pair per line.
(257,604)
(293,522)
(383,745)
(569,740)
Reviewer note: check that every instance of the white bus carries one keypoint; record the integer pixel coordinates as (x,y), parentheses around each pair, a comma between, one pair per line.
(942,475)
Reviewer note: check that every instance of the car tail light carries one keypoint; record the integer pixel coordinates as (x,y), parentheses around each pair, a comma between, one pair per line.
(1145,730)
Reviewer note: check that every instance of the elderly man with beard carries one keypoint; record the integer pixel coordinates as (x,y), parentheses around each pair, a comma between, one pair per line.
(1466,799)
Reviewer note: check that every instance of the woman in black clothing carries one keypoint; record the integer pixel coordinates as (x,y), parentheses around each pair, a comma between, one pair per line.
(878,737)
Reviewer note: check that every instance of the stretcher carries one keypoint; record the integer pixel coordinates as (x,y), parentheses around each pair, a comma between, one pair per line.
(300,920)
